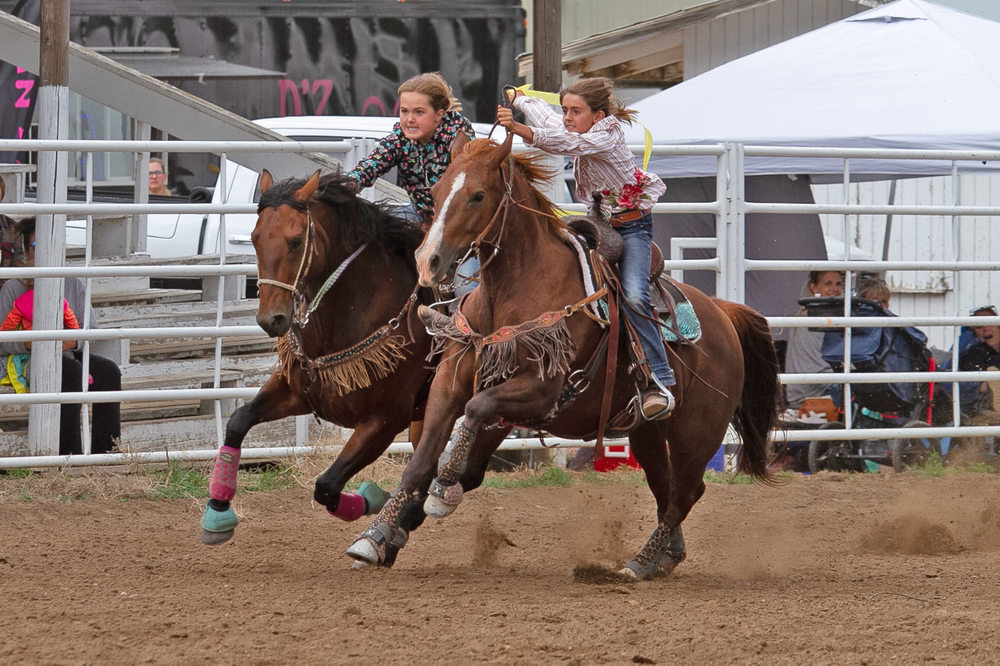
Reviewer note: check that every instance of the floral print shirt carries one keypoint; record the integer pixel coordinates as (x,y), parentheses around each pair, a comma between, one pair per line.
(602,161)
(418,166)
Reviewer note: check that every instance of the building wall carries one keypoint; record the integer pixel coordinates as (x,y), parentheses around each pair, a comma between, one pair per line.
(584,18)
(715,42)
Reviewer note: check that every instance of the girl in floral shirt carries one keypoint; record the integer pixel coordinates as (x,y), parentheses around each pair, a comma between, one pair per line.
(420,143)
(590,130)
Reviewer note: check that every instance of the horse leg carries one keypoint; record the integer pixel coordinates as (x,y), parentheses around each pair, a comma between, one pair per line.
(692,444)
(389,531)
(369,439)
(275,400)
(519,398)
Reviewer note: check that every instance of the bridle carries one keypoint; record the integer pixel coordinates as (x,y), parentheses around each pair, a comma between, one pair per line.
(302,310)
(499,215)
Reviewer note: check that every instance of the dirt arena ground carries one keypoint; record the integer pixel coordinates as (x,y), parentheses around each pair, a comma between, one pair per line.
(830,569)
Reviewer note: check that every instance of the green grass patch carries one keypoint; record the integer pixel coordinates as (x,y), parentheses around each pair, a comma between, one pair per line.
(178,481)
(542,476)
(18,473)
(934,466)
(266,477)
(979,468)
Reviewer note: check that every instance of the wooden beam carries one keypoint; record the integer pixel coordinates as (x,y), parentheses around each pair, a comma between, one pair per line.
(547,38)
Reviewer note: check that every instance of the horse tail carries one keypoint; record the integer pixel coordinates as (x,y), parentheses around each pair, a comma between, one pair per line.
(757,411)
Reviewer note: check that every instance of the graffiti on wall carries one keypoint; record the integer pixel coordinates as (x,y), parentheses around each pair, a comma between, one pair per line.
(332,65)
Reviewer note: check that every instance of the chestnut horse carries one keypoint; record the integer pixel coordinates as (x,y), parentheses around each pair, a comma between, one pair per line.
(338,286)
(532,300)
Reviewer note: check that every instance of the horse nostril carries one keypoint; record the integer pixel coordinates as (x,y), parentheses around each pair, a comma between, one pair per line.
(434,263)
(279,322)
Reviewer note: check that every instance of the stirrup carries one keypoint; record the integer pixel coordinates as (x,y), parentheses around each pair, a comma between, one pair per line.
(656,410)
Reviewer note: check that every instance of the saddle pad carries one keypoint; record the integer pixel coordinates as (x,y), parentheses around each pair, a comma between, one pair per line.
(687,323)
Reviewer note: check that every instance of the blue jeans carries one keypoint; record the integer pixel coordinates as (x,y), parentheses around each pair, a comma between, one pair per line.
(465,270)
(638,240)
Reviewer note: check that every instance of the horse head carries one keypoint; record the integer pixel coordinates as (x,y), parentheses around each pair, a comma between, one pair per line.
(285,240)
(467,200)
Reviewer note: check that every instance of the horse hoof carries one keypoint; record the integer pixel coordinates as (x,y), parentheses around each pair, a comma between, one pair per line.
(634,571)
(359,564)
(217,526)
(628,574)
(215,538)
(363,550)
(436,508)
(442,499)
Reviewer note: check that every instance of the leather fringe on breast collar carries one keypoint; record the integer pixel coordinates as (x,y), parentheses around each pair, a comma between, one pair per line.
(357,367)
(545,338)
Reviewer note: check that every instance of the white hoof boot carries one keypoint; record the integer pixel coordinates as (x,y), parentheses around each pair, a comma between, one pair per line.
(436,508)
(363,550)
(627,573)
(442,499)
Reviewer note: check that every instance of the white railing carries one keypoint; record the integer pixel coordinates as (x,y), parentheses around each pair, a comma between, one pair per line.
(730,266)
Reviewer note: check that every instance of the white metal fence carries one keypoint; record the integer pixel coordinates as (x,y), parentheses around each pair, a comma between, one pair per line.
(730,265)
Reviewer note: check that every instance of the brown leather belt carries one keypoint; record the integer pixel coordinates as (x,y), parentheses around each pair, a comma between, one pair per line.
(618,219)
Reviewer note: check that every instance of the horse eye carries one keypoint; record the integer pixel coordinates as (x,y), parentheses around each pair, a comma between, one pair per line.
(295,243)
(478,196)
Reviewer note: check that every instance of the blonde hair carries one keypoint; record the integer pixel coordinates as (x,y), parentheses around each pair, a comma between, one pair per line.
(596,92)
(435,87)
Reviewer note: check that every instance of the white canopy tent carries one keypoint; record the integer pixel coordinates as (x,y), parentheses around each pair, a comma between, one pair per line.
(910,74)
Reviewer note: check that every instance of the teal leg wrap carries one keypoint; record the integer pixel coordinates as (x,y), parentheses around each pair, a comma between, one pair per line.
(375,497)
(219,521)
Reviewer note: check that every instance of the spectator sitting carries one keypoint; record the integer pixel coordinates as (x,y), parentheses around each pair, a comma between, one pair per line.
(875,289)
(984,354)
(158,178)
(104,374)
(804,346)
(19,319)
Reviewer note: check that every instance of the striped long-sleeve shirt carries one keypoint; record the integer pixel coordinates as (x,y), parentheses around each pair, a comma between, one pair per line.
(602,161)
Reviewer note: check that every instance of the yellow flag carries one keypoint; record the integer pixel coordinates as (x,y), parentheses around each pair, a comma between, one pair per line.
(550,98)
(648,136)
(553,99)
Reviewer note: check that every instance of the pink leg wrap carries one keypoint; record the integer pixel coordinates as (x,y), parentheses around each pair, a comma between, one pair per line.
(223,484)
(351,507)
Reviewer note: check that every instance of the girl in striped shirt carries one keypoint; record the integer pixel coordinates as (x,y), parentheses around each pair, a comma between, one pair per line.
(590,131)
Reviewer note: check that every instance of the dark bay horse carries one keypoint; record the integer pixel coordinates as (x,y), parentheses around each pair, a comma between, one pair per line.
(530,306)
(338,286)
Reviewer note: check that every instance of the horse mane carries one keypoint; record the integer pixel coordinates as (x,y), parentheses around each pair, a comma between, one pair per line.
(532,171)
(361,221)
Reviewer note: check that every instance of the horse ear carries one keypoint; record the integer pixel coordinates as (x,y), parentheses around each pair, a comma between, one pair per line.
(266,180)
(306,191)
(502,152)
(458,144)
